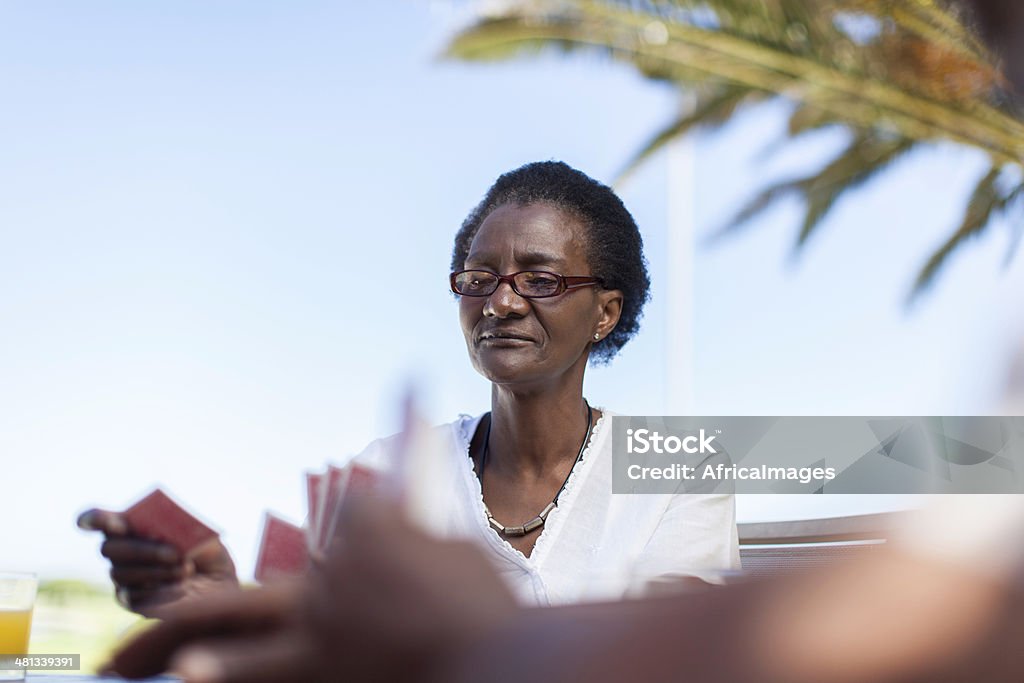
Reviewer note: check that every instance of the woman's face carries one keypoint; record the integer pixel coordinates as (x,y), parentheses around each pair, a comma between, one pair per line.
(553,334)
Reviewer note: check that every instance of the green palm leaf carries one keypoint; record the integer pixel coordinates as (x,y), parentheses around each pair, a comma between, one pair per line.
(986,200)
(806,118)
(865,156)
(863,159)
(713,108)
(719,55)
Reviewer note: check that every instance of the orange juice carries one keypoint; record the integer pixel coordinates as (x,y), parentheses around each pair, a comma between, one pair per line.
(14,628)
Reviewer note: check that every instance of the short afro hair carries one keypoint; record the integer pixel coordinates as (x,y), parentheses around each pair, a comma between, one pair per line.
(614,247)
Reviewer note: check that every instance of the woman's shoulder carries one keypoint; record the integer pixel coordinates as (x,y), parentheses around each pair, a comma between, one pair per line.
(450,437)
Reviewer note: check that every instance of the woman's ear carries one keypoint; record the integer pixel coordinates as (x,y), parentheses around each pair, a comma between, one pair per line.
(609,310)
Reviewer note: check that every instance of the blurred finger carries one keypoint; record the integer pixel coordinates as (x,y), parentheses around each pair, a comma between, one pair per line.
(110,523)
(364,520)
(220,615)
(146,575)
(280,658)
(148,601)
(139,551)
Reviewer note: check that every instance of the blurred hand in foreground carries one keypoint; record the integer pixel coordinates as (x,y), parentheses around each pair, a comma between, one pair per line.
(895,617)
(393,604)
(389,603)
(148,574)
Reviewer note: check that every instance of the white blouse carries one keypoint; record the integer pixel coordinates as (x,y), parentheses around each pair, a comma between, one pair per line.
(594,545)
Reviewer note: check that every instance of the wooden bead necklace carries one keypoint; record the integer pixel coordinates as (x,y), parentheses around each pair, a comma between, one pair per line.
(538,521)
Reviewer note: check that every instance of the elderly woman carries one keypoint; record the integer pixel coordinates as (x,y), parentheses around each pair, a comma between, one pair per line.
(550,274)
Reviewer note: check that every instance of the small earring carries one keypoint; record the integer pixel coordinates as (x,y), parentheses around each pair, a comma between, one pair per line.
(596,336)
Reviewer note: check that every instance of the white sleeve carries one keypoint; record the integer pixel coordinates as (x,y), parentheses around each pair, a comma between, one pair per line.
(696,536)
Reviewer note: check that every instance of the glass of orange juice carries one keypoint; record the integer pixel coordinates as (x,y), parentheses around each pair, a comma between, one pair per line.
(17,597)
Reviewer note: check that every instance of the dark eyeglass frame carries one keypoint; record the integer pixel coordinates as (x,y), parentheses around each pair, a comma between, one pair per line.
(565,282)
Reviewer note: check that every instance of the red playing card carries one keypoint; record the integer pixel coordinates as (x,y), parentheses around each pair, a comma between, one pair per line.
(359,480)
(313,483)
(283,551)
(158,517)
(330,495)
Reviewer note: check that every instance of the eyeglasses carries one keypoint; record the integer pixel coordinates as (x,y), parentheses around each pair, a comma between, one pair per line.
(530,284)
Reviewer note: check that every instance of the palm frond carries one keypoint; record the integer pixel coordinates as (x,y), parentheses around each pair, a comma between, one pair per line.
(1017,229)
(807,117)
(718,55)
(713,107)
(761,201)
(865,157)
(985,200)
(913,74)
(941,23)
(497,38)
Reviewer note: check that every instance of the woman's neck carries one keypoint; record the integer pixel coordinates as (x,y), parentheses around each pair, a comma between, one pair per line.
(533,432)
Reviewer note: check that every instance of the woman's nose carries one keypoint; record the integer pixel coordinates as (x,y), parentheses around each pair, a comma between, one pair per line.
(504,302)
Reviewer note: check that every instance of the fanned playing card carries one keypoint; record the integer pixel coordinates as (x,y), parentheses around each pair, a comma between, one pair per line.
(158,517)
(357,480)
(283,552)
(313,483)
(361,479)
(330,495)
(418,473)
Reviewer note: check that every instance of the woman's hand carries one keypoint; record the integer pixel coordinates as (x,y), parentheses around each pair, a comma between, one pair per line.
(149,574)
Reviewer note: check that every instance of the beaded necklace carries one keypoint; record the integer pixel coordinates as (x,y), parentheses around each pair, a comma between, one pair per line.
(538,521)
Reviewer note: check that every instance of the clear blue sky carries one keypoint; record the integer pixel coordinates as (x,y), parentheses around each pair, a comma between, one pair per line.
(193,197)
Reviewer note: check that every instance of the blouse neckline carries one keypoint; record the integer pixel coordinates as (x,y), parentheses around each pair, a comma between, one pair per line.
(552,527)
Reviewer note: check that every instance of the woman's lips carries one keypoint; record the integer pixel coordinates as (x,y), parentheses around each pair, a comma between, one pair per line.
(508,338)
(504,341)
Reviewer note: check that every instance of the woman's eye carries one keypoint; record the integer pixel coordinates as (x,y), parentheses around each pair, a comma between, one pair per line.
(475,283)
(540,281)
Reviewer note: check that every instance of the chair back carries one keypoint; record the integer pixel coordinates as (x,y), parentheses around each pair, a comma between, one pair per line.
(773,548)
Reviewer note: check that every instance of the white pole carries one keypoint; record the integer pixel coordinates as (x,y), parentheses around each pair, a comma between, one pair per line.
(679,337)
